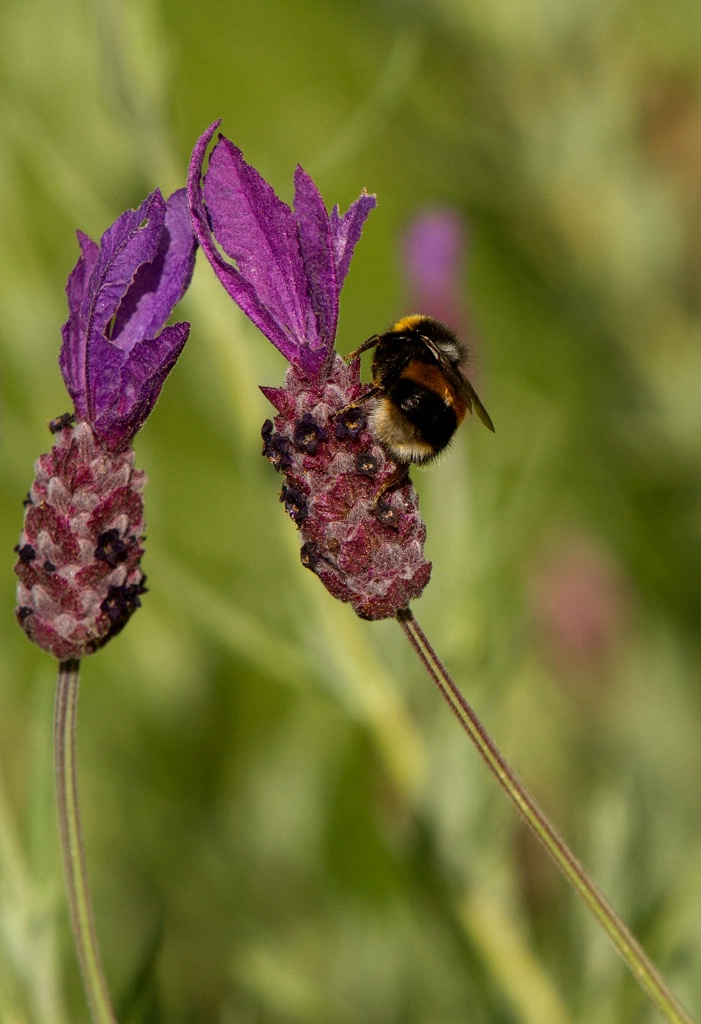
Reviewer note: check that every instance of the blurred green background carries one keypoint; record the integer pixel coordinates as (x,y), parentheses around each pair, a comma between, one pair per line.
(283,822)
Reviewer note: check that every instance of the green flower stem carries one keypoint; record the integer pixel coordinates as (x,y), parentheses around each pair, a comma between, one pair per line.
(642,968)
(72,844)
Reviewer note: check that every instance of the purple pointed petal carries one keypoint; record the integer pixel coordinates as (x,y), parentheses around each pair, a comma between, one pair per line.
(148,256)
(159,285)
(130,382)
(316,247)
(280,398)
(133,239)
(346,231)
(243,293)
(123,376)
(287,267)
(71,358)
(78,281)
(257,230)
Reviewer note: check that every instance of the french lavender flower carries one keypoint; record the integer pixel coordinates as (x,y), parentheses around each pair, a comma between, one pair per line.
(432,258)
(82,540)
(285,269)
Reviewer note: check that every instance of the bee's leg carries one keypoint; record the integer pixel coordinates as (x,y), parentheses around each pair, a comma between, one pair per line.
(370,343)
(370,393)
(397,479)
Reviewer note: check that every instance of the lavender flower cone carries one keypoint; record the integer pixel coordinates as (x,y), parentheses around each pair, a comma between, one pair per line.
(369,554)
(285,269)
(81,544)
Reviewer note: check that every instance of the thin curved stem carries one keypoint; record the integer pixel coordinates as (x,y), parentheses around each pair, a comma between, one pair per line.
(70,830)
(642,968)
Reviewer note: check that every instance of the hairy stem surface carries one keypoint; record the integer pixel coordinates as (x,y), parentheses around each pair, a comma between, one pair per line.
(71,834)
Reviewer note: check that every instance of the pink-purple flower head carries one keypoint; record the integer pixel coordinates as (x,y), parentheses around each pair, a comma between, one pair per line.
(288,265)
(79,553)
(285,269)
(116,352)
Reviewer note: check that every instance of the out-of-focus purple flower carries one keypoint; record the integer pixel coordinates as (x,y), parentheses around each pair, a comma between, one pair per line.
(285,268)
(116,352)
(81,544)
(290,264)
(432,256)
(580,602)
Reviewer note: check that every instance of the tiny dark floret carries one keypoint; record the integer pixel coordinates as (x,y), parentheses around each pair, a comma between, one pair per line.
(295,503)
(386,514)
(366,464)
(26,553)
(350,423)
(111,548)
(309,555)
(276,449)
(119,605)
(308,434)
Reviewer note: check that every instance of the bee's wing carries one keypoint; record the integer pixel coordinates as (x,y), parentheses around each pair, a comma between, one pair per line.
(472,399)
(461,384)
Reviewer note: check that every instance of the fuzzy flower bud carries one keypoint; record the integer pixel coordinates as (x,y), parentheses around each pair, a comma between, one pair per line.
(82,538)
(285,269)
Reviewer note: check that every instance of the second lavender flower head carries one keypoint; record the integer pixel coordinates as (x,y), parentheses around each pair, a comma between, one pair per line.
(285,269)
(81,544)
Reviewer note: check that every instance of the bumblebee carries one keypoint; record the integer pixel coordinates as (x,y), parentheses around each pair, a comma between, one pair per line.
(422,393)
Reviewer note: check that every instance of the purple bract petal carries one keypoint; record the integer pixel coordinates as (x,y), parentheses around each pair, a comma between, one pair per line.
(72,355)
(315,243)
(120,294)
(130,382)
(257,230)
(159,285)
(289,266)
(131,242)
(345,231)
